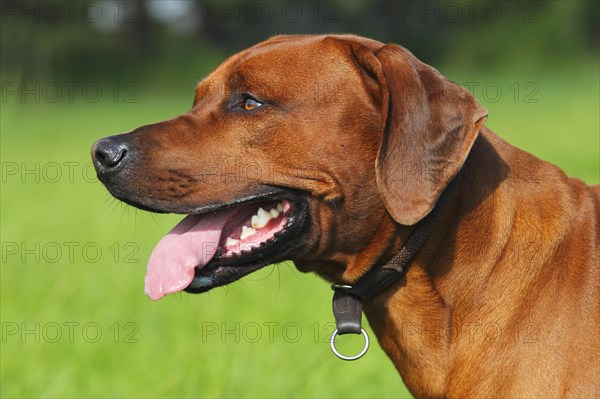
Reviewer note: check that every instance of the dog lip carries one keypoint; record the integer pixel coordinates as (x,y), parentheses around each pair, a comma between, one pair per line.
(271,195)
(223,270)
(268,193)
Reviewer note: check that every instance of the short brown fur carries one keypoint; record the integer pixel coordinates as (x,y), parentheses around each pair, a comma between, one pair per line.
(502,300)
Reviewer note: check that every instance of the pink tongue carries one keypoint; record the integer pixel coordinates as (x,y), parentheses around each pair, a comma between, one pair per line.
(192,243)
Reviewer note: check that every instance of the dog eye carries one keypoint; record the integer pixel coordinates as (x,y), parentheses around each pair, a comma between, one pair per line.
(250,104)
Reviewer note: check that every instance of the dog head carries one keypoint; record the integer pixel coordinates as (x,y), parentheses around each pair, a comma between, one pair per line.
(315,149)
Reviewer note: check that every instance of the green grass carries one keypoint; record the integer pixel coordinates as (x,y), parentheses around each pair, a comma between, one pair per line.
(174,355)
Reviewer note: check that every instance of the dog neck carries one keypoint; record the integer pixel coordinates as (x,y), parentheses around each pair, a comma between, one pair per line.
(414,319)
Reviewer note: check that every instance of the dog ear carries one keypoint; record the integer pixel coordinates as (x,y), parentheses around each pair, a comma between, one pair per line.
(429,125)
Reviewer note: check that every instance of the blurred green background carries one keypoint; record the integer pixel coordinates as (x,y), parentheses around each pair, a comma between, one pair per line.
(75,320)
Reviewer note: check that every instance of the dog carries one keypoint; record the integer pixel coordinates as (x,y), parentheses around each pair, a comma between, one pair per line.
(331,151)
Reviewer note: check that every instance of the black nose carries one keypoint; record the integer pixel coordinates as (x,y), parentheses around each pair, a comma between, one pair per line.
(108,153)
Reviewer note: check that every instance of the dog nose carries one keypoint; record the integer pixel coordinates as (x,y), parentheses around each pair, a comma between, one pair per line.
(108,153)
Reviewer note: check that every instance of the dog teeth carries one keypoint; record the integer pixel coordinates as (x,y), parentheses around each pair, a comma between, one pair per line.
(262,217)
(230,242)
(247,232)
(262,213)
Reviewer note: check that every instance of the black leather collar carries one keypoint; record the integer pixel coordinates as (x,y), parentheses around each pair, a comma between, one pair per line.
(347,299)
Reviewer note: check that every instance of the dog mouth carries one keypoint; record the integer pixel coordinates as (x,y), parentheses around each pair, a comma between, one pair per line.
(252,228)
(215,248)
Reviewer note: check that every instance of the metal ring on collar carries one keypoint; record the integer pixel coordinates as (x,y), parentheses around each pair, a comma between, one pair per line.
(340,287)
(344,357)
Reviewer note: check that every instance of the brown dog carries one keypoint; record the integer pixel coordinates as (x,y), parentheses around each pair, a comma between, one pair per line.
(346,144)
